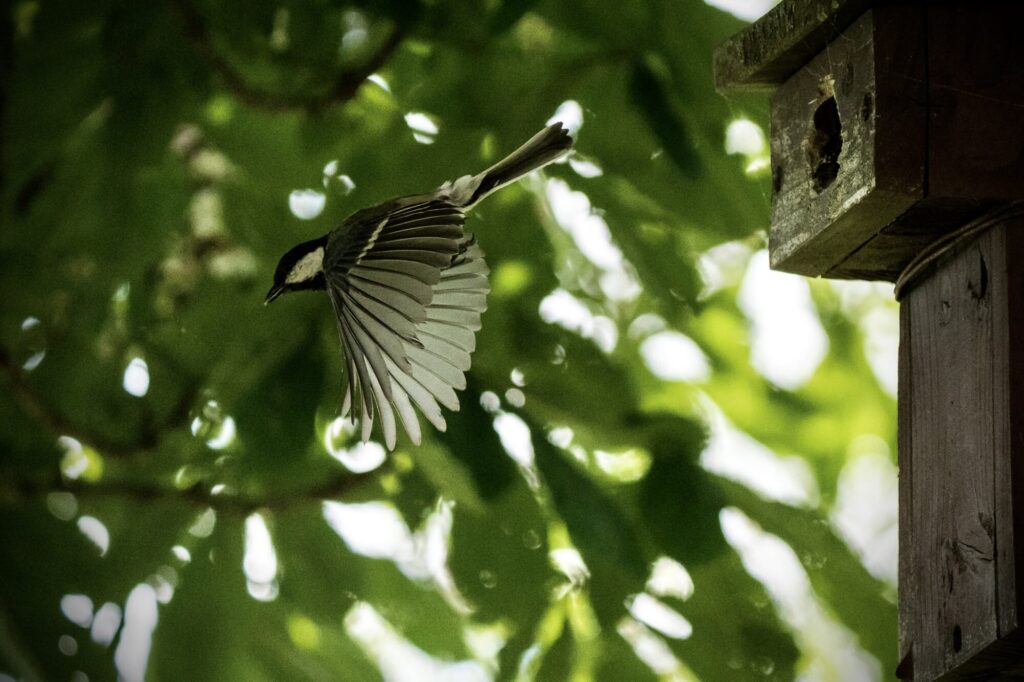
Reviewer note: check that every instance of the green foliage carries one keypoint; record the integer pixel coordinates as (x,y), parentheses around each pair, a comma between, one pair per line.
(149,153)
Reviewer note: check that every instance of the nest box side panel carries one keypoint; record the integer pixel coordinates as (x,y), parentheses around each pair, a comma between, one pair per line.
(961,450)
(976,80)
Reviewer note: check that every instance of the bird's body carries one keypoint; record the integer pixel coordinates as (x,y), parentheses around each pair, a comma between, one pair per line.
(408,286)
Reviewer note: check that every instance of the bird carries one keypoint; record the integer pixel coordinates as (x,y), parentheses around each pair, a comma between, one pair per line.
(407,285)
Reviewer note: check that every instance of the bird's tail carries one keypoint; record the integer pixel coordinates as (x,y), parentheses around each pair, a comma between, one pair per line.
(540,150)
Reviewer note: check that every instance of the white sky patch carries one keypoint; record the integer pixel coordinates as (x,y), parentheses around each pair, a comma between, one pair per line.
(377,530)
(33,360)
(486,642)
(379,81)
(140,619)
(359,458)
(865,512)
(77,608)
(260,559)
(164,582)
(204,524)
(669,578)
(651,649)
(786,338)
(736,455)
(657,615)
(218,430)
(136,378)
(881,330)
(626,466)
(560,436)
(748,10)
(562,308)
(373,529)
(569,562)
(347,183)
(573,212)
(490,401)
(105,623)
(356,33)
(74,463)
(224,436)
(330,173)
(398,659)
(872,306)
(36,351)
(723,266)
(570,114)
(619,285)
(434,542)
(94,529)
(832,649)
(585,168)
(644,325)
(673,356)
(515,438)
(515,397)
(745,137)
(424,127)
(306,204)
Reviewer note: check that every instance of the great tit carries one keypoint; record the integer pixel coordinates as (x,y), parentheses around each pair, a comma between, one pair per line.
(407,286)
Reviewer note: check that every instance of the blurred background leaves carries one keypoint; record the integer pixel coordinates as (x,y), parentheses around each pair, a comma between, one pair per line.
(670,463)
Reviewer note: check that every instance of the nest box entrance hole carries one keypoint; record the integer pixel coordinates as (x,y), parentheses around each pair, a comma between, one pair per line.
(824,143)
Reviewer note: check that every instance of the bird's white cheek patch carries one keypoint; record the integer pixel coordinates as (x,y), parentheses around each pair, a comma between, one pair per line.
(307,267)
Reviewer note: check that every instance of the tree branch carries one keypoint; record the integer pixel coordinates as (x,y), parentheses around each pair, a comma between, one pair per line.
(342,89)
(14,492)
(39,410)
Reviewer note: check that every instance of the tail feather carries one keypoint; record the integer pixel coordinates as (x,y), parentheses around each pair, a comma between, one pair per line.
(540,150)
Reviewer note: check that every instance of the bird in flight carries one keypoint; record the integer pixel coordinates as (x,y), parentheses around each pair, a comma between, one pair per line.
(408,286)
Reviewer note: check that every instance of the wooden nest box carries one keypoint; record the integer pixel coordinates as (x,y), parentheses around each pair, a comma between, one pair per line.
(897,143)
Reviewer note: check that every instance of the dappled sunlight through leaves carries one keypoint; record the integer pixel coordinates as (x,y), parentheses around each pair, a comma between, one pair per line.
(669,462)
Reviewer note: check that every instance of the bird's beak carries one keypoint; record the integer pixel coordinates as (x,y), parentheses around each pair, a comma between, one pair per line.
(274,292)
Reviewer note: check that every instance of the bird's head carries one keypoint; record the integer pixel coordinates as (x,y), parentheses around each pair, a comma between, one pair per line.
(302,267)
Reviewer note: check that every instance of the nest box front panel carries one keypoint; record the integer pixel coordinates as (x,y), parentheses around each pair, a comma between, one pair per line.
(848,143)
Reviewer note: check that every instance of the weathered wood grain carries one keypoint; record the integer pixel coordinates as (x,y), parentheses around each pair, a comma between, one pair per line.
(907,558)
(930,104)
(976,95)
(781,42)
(891,129)
(961,462)
(874,75)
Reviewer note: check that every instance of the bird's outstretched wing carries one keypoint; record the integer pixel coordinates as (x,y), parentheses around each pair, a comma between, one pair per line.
(407,287)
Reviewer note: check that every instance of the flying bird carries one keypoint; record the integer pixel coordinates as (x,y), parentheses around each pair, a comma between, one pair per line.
(407,285)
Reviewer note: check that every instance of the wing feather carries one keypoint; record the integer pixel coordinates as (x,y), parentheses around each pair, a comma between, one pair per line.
(408,288)
(458,336)
(438,261)
(421,271)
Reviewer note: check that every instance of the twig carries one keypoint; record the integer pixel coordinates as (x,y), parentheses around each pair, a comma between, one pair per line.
(56,422)
(340,91)
(15,651)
